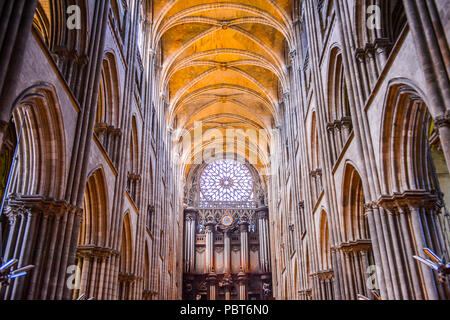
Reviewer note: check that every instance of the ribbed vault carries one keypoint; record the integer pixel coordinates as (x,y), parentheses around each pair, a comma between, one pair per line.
(224,65)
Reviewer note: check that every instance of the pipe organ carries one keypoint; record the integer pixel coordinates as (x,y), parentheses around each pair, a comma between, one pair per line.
(227,253)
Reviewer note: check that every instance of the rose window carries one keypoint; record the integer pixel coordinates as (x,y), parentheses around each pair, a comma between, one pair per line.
(226,181)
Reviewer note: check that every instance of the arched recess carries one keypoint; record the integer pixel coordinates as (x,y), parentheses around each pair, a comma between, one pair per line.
(324,242)
(68,44)
(126,274)
(94,227)
(147,294)
(134,176)
(34,197)
(357,246)
(339,121)
(108,109)
(92,251)
(375,42)
(315,161)
(40,168)
(7,155)
(325,274)
(392,18)
(306,291)
(412,190)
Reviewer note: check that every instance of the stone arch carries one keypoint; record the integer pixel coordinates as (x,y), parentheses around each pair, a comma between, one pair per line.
(393,20)
(405,146)
(353,202)
(35,194)
(93,238)
(40,169)
(147,280)
(94,228)
(324,242)
(126,273)
(107,127)
(315,160)
(357,245)
(68,46)
(339,122)
(50,20)
(134,170)
(410,187)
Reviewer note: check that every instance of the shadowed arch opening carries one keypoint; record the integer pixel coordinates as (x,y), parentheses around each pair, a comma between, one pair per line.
(357,245)
(107,126)
(93,237)
(37,178)
(411,188)
(339,121)
(126,273)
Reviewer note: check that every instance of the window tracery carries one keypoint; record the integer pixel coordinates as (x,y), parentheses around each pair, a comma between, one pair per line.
(226,181)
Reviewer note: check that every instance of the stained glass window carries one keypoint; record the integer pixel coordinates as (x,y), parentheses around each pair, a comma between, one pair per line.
(226,181)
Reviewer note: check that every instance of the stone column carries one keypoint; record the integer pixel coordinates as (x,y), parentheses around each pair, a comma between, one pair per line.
(227,284)
(212,280)
(227,252)
(418,229)
(263,230)
(190,216)
(209,247)
(242,286)
(227,294)
(244,246)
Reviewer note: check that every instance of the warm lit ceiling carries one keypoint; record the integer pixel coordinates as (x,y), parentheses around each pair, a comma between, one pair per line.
(224,63)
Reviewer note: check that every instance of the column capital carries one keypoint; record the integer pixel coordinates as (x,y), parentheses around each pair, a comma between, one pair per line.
(212,277)
(262,213)
(242,277)
(382,45)
(443,120)
(293,55)
(209,227)
(40,205)
(190,214)
(409,199)
(286,95)
(243,227)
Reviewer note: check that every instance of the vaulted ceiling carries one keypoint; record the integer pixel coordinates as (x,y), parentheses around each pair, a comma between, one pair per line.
(223,63)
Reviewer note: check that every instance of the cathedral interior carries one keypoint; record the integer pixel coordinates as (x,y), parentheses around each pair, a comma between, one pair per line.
(224,150)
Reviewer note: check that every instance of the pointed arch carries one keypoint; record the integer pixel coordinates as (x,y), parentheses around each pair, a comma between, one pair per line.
(324,242)
(107,126)
(94,226)
(126,272)
(134,177)
(68,46)
(339,121)
(40,168)
(404,144)
(353,201)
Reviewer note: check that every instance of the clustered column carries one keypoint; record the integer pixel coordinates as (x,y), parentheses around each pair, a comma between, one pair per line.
(212,278)
(95,272)
(244,246)
(244,261)
(189,250)
(264,248)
